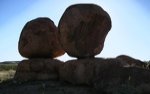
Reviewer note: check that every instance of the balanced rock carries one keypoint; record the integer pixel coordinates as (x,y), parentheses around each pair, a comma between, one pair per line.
(83,28)
(39,39)
(37,69)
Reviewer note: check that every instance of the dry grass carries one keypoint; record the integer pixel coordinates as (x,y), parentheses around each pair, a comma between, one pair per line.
(7,71)
(6,75)
(7,67)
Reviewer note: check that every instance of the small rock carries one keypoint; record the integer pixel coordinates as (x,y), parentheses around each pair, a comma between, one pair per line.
(39,39)
(83,29)
(131,62)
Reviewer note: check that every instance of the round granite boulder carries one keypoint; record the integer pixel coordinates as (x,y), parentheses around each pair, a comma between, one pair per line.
(83,29)
(39,39)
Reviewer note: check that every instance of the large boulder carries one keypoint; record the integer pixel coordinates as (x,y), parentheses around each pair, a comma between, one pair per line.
(82,76)
(83,29)
(98,71)
(39,39)
(86,71)
(37,69)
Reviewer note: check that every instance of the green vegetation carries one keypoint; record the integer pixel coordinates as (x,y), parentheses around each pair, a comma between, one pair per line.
(148,62)
(7,67)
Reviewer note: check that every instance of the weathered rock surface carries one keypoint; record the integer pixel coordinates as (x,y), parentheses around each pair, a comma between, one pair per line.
(57,87)
(130,61)
(89,71)
(43,87)
(84,71)
(83,29)
(37,69)
(106,76)
(39,39)
(85,76)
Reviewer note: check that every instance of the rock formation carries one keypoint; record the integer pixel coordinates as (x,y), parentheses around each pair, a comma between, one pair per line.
(85,71)
(37,69)
(83,28)
(39,39)
(84,76)
(82,32)
(90,70)
(131,62)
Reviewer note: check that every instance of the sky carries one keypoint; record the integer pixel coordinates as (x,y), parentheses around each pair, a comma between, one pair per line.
(129,34)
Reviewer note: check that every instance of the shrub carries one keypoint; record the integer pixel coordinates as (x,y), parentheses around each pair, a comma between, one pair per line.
(6,67)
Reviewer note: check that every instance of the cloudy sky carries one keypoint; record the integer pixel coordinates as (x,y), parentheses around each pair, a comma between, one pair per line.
(130,33)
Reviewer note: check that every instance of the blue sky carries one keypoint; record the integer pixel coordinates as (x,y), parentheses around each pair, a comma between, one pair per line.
(129,34)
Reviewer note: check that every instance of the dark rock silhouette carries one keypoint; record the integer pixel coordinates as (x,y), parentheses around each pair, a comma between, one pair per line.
(82,31)
(37,69)
(83,28)
(39,39)
(82,71)
(85,71)
(129,61)
(89,71)
(83,76)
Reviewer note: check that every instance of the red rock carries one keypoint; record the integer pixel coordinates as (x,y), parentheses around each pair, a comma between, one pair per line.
(85,71)
(99,71)
(39,39)
(24,66)
(83,29)
(37,69)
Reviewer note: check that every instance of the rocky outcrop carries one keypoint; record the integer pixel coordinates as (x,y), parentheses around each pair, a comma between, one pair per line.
(130,61)
(43,87)
(83,29)
(37,69)
(84,76)
(39,39)
(91,71)
(84,71)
